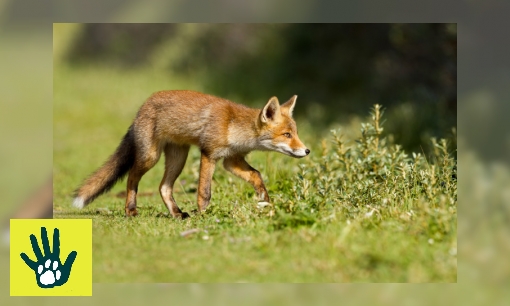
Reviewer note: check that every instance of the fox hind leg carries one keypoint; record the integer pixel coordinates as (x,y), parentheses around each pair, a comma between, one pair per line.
(175,158)
(207,165)
(238,166)
(140,167)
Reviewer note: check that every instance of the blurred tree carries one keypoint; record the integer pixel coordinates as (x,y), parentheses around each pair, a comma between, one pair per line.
(126,45)
(336,69)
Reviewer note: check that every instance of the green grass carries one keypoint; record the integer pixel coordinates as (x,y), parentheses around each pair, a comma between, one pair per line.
(355,210)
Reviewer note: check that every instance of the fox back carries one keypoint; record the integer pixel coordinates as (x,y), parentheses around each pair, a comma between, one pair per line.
(218,126)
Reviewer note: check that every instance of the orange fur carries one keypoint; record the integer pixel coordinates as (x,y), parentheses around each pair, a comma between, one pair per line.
(171,121)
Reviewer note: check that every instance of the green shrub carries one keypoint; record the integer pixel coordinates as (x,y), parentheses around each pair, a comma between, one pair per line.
(373,182)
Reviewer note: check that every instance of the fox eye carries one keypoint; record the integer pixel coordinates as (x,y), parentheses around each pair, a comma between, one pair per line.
(287,135)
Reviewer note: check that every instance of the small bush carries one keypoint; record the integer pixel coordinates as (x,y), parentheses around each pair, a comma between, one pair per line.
(373,182)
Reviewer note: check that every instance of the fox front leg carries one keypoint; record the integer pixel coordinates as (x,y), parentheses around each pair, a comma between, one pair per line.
(239,167)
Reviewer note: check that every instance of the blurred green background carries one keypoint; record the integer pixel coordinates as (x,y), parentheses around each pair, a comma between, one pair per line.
(338,70)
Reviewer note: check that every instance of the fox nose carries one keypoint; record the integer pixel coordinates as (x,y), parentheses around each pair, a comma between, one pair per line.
(307,151)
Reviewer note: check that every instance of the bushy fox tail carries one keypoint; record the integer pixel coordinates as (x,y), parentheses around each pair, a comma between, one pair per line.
(113,170)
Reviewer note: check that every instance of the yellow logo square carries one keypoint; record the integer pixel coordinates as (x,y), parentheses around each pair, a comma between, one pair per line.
(51,257)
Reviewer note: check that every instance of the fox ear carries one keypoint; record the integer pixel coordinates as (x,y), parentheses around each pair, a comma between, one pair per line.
(271,111)
(288,107)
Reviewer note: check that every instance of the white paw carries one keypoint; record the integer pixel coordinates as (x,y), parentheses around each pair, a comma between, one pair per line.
(48,273)
(263,204)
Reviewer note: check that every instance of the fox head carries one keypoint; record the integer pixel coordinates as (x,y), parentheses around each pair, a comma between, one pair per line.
(278,131)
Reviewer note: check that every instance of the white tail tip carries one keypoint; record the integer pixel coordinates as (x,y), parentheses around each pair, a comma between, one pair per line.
(79,202)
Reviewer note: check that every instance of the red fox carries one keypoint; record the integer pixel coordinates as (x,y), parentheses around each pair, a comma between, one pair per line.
(171,121)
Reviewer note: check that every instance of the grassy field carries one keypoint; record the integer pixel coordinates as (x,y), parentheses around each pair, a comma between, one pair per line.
(355,210)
